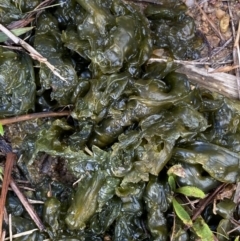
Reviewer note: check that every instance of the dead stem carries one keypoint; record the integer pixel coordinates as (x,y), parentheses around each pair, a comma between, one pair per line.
(27,117)
(236,58)
(231,17)
(27,206)
(6,181)
(183,62)
(10,227)
(23,233)
(206,201)
(3,235)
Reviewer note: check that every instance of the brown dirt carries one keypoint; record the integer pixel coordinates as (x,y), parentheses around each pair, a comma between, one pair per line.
(224,16)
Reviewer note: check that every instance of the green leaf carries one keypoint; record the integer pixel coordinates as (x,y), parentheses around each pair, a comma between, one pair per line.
(17,32)
(237,238)
(1,173)
(172,183)
(191,191)
(181,213)
(1,130)
(202,230)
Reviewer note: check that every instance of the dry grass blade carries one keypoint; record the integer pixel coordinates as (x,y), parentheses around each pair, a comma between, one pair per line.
(236,197)
(231,16)
(236,58)
(17,32)
(23,234)
(211,23)
(224,69)
(27,206)
(20,23)
(183,62)
(33,53)
(3,235)
(161,60)
(16,119)
(6,180)
(43,8)
(10,227)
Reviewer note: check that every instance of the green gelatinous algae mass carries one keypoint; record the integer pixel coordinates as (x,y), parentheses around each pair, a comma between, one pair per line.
(173,30)
(85,202)
(157,197)
(14,10)
(130,123)
(225,162)
(48,43)
(114,36)
(17,86)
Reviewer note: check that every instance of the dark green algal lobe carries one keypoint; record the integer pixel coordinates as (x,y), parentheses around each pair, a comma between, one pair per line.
(130,122)
(17,83)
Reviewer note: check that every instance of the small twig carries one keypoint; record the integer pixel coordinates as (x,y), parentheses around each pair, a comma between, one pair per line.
(20,23)
(27,117)
(43,8)
(79,180)
(10,227)
(234,229)
(236,197)
(6,180)
(23,233)
(31,201)
(211,23)
(183,62)
(22,187)
(3,235)
(222,47)
(232,23)
(236,58)
(27,206)
(32,52)
(173,228)
(86,149)
(206,201)
(29,17)
(5,216)
(12,47)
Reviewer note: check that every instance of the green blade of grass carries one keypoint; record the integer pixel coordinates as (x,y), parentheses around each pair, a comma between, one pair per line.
(17,32)
(181,213)
(191,191)
(202,229)
(172,183)
(1,130)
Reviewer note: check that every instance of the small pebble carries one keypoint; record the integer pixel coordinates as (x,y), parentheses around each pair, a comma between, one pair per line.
(204,18)
(224,23)
(219,13)
(190,3)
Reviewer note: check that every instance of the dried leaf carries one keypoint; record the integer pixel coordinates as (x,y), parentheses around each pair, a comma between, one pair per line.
(177,170)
